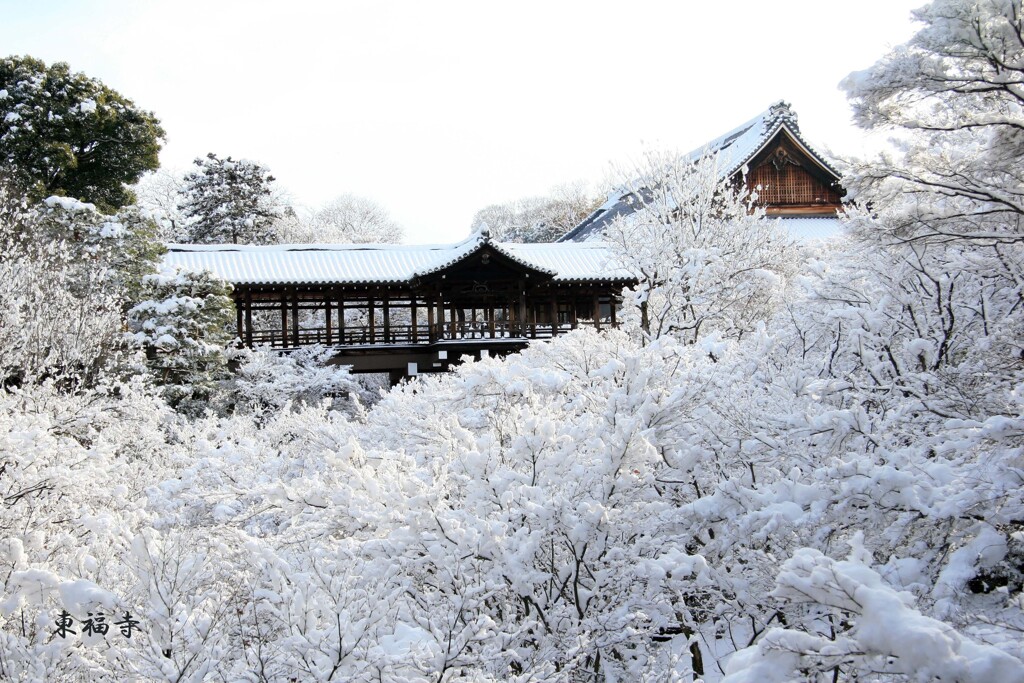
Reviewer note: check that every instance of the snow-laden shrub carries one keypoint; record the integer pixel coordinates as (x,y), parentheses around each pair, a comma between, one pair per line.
(267,380)
(66,275)
(880,631)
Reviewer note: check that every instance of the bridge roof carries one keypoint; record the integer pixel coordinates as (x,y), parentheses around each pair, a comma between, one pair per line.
(385,263)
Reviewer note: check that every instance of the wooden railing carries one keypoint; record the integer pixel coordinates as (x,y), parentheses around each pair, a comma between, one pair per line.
(410,334)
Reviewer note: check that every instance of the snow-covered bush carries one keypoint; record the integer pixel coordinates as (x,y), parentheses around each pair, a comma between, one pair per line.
(268,380)
(66,276)
(835,494)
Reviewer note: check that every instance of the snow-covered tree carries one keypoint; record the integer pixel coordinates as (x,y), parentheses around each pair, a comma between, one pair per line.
(709,263)
(58,317)
(953,96)
(184,322)
(67,276)
(159,193)
(538,219)
(63,133)
(913,338)
(228,200)
(347,219)
(836,494)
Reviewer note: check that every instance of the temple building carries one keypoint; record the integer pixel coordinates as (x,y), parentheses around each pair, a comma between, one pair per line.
(411,309)
(768,155)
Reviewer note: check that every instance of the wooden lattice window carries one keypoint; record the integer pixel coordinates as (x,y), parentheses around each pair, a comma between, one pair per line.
(786,184)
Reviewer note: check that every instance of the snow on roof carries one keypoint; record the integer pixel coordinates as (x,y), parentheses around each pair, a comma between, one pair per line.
(733,150)
(382,263)
(572,262)
(812,229)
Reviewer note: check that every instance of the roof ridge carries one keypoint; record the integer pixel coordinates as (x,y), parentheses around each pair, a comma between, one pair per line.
(477,241)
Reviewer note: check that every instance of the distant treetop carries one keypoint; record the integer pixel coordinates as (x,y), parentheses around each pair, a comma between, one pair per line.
(229,200)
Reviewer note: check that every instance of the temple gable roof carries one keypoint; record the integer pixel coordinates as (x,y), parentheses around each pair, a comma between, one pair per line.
(736,151)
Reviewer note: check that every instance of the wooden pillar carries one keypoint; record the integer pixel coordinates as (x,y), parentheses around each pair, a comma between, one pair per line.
(295,316)
(612,301)
(341,319)
(386,314)
(284,317)
(431,332)
(521,317)
(415,322)
(440,317)
(248,317)
(371,320)
(238,318)
(327,315)
(489,312)
(554,316)
(597,312)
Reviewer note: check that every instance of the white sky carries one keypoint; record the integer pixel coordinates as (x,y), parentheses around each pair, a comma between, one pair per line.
(437,109)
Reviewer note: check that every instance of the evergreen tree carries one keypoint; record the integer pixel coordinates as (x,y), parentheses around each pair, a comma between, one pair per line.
(63,133)
(229,201)
(184,325)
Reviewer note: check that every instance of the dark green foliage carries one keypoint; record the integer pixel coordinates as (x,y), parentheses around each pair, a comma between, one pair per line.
(185,324)
(63,133)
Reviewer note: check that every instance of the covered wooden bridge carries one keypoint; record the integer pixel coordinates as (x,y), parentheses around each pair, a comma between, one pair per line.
(411,309)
